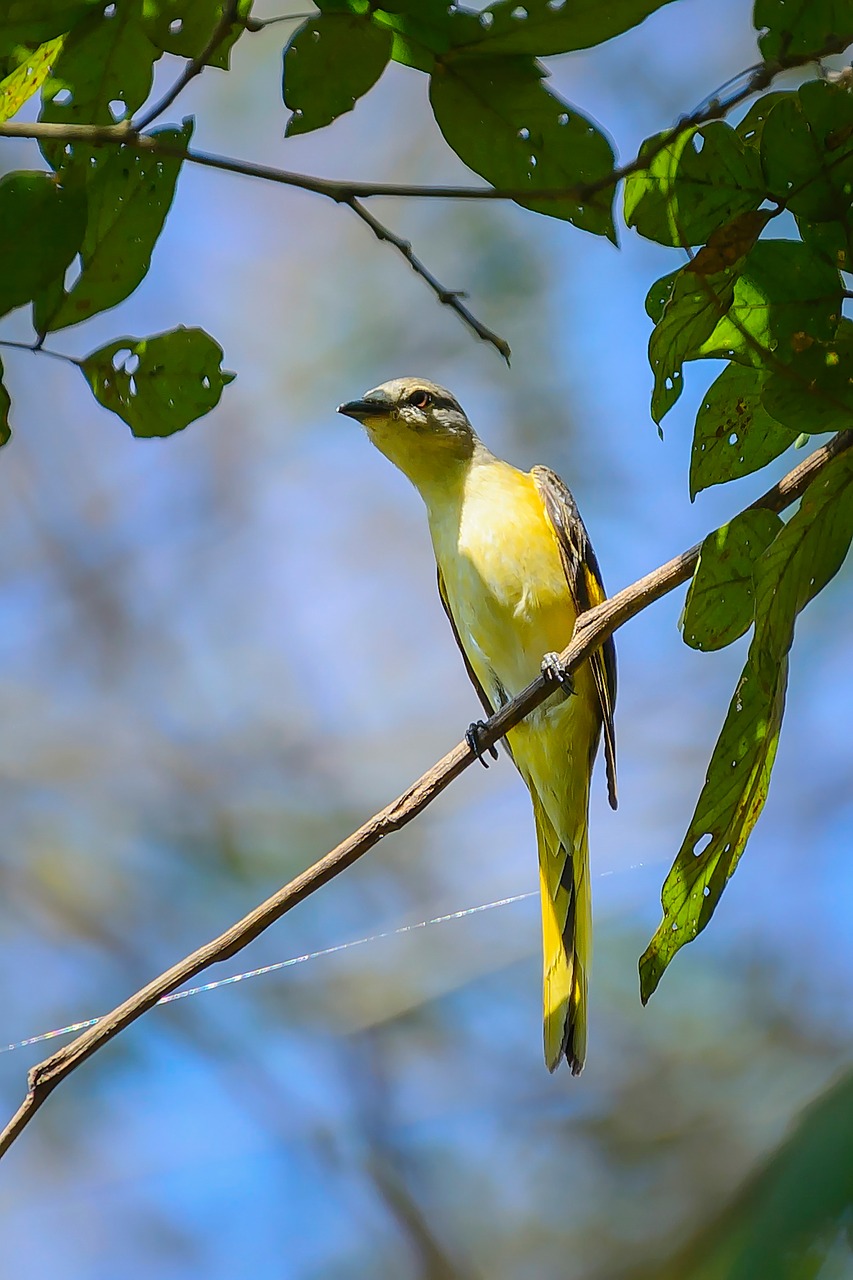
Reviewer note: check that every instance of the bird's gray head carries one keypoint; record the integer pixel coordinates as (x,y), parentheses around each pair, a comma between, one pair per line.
(417,424)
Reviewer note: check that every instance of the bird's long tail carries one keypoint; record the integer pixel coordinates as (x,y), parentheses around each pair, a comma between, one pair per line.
(566,931)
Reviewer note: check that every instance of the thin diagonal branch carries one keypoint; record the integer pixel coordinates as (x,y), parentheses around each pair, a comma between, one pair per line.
(450,297)
(591,630)
(193,68)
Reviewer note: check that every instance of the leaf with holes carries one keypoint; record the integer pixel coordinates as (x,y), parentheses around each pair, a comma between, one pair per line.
(687,318)
(5,406)
(720,602)
(32,22)
(500,119)
(329,63)
(734,434)
(807,152)
(41,227)
(129,196)
(796,565)
(103,74)
(158,385)
(814,392)
(30,74)
(698,181)
(785,296)
(183,27)
(423,30)
(789,30)
(543,27)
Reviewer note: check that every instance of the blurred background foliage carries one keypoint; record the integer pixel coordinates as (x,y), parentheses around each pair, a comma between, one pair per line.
(222,651)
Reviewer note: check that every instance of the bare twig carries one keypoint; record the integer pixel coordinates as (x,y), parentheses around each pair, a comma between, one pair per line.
(450,297)
(591,630)
(193,68)
(38,350)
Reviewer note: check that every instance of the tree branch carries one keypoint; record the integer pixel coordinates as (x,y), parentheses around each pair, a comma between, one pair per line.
(591,630)
(193,68)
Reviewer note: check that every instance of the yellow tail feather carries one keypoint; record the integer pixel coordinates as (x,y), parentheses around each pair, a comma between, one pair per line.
(566,936)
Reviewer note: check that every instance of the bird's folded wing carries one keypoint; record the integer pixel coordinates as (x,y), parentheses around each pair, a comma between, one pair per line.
(587,589)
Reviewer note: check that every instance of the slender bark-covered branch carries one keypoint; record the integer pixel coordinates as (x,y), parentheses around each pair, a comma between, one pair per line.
(591,630)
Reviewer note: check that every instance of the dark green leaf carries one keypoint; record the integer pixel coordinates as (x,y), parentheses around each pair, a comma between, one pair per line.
(798,563)
(720,601)
(426,29)
(129,195)
(784,294)
(541,27)
(184,27)
(329,63)
(802,28)
(31,22)
(734,434)
(698,181)
(5,406)
(830,240)
(686,321)
(103,73)
(503,122)
(41,226)
(158,385)
(751,127)
(659,295)
(814,392)
(807,152)
(29,75)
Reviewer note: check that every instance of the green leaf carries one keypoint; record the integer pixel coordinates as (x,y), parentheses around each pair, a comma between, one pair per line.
(734,433)
(184,27)
(807,152)
(329,63)
(784,295)
(832,241)
(541,27)
(807,27)
(32,22)
(797,564)
(815,391)
(41,226)
(5,406)
(19,85)
(700,180)
(687,319)
(503,122)
(105,60)
(751,127)
(129,196)
(659,295)
(158,385)
(719,608)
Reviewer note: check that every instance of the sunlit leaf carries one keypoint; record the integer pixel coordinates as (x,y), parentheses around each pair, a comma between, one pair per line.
(734,434)
(688,317)
(785,294)
(158,385)
(796,30)
(41,227)
(28,77)
(543,27)
(424,30)
(503,122)
(720,601)
(814,392)
(329,63)
(807,152)
(129,196)
(797,564)
(698,181)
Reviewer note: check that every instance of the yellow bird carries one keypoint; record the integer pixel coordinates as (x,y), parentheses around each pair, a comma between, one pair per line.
(515,568)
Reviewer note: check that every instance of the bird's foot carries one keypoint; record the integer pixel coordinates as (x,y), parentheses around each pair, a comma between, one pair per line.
(472,737)
(553,669)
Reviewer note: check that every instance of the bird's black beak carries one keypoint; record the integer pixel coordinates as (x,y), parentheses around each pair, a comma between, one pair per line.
(360,409)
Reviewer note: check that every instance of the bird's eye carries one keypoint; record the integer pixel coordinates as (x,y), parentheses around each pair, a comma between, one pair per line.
(420,399)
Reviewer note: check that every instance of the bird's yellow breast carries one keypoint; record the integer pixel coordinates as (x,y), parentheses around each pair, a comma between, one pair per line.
(503,575)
